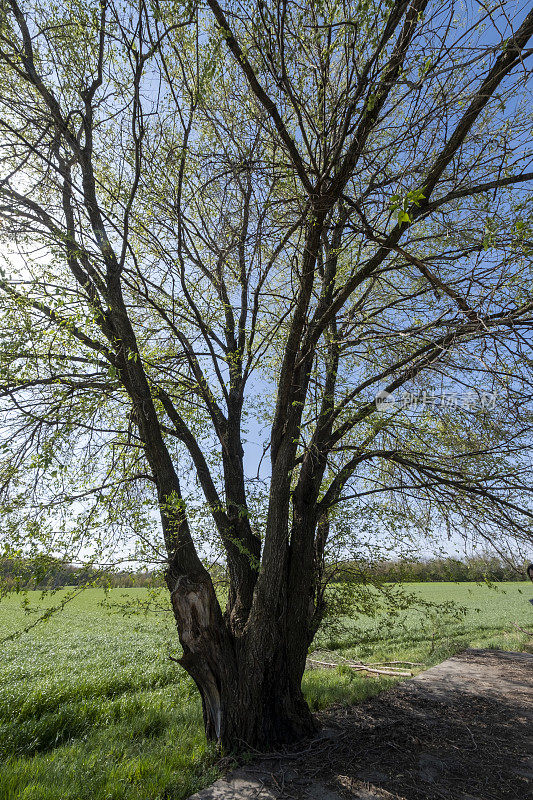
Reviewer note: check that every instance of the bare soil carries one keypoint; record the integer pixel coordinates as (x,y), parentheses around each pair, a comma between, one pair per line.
(462,730)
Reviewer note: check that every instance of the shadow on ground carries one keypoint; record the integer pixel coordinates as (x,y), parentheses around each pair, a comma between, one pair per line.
(462,730)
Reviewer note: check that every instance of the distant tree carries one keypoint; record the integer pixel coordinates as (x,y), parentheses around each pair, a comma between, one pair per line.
(233,222)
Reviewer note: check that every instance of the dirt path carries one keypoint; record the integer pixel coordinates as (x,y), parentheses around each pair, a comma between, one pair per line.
(462,730)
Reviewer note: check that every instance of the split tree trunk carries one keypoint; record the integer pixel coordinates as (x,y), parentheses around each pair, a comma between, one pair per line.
(249,683)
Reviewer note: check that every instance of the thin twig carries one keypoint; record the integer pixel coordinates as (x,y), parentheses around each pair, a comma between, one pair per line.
(529,633)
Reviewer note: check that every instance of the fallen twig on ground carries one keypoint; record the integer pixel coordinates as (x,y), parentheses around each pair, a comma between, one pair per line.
(386,663)
(361,668)
(529,633)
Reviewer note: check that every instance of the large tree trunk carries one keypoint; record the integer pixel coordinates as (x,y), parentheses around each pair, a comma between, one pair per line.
(250,683)
(262,708)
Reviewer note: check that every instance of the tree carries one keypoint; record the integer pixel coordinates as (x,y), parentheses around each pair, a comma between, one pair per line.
(205,207)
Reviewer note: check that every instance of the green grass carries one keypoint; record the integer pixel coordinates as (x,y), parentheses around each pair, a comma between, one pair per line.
(92,707)
(430,636)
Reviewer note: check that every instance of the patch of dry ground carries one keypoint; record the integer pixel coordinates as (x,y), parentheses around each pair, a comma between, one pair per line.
(462,730)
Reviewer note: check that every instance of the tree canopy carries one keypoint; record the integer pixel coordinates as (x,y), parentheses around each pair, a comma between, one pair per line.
(226,229)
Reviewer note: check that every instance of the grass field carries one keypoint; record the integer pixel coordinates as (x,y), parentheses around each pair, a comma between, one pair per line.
(92,707)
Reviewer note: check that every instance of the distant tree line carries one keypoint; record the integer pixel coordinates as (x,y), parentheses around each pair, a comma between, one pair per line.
(47,572)
(483,567)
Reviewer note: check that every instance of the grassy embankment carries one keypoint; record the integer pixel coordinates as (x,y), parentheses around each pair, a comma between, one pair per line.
(91,707)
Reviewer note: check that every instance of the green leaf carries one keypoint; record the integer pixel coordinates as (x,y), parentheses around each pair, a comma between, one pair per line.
(403,216)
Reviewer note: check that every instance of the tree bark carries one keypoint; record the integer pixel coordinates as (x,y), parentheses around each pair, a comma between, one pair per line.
(250,684)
